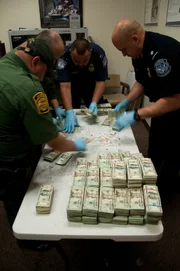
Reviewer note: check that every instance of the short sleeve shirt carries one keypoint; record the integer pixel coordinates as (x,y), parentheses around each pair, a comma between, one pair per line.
(25,120)
(158,68)
(96,68)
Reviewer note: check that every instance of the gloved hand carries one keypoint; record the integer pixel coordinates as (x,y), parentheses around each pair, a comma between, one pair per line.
(122,106)
(56,123)
(125,120)
(93,108)
(80,144)
(60,113)
(71,121)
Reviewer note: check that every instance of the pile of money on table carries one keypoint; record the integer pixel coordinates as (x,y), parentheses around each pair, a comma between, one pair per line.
(63,158)
(44,200)
(114,189)
(102,110)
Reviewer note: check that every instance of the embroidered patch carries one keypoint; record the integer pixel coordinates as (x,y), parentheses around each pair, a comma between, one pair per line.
(41,102)
(162,67)
(61,64)
(104,61)
(91,68)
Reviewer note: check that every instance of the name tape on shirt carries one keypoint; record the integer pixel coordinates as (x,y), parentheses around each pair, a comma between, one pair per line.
(41,102)
(162,67)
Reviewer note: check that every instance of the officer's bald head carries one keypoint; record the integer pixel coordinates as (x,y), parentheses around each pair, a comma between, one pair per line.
(54,40)
(128,37)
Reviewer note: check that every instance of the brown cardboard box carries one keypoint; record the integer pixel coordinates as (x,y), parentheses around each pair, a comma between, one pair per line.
(113,81)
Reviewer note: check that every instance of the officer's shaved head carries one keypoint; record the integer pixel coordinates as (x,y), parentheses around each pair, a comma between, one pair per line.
(54,40)
(81,52)
(128,37)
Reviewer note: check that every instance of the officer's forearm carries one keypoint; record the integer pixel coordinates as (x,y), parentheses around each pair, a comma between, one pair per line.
(161,107)
(137,91)
(65,90)
(60,143)
(98,92)
(54,103)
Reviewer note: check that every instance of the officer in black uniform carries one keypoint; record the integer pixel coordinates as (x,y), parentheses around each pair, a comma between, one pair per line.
(82,72)
(156,60)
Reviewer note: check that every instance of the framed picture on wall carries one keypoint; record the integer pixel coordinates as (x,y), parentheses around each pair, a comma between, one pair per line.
(151,16)
(58,13)
(173,13)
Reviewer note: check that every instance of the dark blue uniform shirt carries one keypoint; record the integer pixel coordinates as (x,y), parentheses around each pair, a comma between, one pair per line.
(158,69)
(96,70)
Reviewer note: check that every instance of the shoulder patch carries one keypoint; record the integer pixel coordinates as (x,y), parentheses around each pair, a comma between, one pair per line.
(41,102)
(61,64)
(104,61)
(162,67)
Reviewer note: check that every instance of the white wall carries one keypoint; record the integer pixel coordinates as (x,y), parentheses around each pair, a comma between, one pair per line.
(100,17)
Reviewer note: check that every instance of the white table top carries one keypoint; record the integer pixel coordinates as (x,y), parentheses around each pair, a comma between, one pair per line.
(55,226)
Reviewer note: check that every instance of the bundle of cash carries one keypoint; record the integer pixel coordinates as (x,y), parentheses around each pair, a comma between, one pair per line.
(106,177)
(105,105)
(44,199)
(106,205)
(115,127)
(124,155)
(81,161)
(50,157)
(108,122)
(79,181)
(75,203)
(91,202)
(136,219)
(134,173)
(103,163)
(92,220)
(103,155)
(148,171)
(64,158)
(137,156)
(153,206)
(103,111)
(122,202)
(114,155)
(120,220)
(92,177)
(136,201)
(119,174)
(92,165)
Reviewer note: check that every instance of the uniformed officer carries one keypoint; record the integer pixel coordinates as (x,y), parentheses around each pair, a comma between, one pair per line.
(156,60)
(82,72)
(26,122)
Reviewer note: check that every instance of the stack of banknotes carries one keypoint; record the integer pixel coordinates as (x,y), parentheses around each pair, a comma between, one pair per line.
(51,156)
(153,206)
(44,199)
(109,190)
(148,171)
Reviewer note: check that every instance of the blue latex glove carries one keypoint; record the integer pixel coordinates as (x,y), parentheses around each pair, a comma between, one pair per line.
(122,106)
(93,108)
(60,113)
(71,121)
(80,144)
(125,120)
(56,123)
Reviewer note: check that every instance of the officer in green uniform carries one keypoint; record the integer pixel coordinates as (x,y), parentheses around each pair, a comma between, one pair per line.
(25,122)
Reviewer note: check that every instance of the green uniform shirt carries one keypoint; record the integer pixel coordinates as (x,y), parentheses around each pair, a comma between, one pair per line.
(25,120)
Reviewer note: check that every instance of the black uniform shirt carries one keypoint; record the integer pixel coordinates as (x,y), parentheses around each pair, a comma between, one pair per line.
(158,68)
(96,69)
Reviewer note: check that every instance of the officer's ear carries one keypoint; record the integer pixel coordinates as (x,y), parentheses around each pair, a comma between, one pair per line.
(135,39)
(36,61)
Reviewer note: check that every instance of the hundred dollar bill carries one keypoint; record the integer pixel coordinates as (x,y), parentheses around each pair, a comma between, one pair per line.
(106,202)
(44,199)
(91,201)
(64,158)
(136,201)
(107,122)
(148,171)
(122,202)
(75,203)
(50,157)
(152,202)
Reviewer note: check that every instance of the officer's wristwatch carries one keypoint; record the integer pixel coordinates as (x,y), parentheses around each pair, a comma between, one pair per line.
(136,115)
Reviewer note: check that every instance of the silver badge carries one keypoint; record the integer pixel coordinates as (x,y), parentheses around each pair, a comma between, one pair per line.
(162,67)
(61,64)
(104,61)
